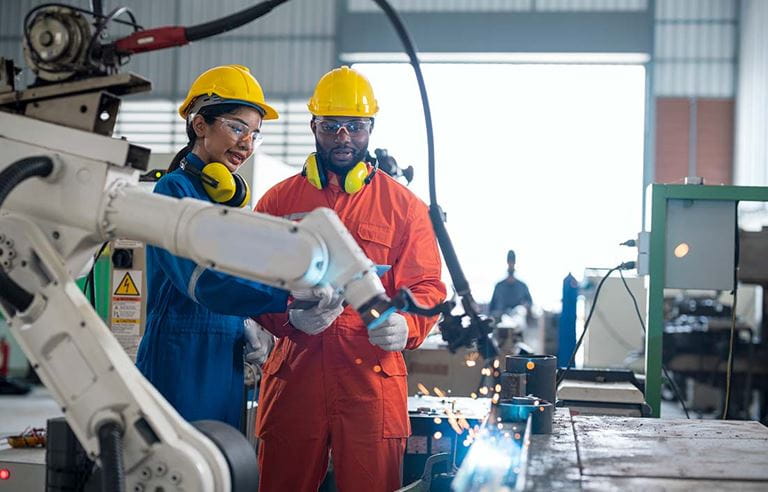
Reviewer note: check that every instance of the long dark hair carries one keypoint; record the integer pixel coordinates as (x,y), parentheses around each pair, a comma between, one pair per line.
(209,114)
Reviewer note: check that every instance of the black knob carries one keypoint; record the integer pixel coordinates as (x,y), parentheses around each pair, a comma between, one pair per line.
(122,258)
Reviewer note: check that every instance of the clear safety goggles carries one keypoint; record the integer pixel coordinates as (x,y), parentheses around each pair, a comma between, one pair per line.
(353,127)
(241,131)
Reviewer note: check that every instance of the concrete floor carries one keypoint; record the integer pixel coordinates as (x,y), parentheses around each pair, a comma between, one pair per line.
(17,413)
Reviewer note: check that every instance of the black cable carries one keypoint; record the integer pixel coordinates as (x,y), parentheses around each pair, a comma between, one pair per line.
(111,454)
(586,323)
(672,382)
(224,24)
(10,177)
(729,366)
(410,50)
(90,279)
(102,25)
(436,215)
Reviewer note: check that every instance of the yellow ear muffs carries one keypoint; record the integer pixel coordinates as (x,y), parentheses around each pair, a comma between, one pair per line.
(220,185)
(314,172)
(218,182)
(356,178)
(242,193)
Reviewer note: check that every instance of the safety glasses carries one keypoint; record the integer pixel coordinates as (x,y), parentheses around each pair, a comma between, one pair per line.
(353,127)
(240,130)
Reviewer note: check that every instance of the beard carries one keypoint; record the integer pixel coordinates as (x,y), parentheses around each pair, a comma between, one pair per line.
(326,158)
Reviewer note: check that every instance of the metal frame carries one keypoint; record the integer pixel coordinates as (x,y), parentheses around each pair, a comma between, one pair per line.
(659,196)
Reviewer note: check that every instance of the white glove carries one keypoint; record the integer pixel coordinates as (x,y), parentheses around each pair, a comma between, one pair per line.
(316,319)
(258,342)
(392,335)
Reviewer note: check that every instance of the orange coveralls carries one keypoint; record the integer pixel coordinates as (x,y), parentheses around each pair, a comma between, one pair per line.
(336,390)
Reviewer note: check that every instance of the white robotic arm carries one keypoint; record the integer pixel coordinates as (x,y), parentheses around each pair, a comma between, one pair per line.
(50,228)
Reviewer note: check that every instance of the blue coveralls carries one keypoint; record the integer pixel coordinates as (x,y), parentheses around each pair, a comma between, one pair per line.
(192,349)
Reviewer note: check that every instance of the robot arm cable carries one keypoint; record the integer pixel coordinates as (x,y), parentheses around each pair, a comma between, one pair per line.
(11,177)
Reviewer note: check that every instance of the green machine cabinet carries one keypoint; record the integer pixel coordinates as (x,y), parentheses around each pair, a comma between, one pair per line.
(713,213)
(101,274)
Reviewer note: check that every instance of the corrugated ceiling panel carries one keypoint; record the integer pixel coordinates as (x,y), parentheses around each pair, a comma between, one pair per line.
(700,79)
(590,5)
(687,10)
(695,40)
(298,17)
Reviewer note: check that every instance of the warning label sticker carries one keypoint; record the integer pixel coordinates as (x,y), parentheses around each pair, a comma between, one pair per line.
(125,316)
(128,284)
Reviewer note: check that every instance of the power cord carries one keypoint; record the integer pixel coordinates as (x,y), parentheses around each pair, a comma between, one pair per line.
(622,266)
(671,381)
(729,367)
(90,280)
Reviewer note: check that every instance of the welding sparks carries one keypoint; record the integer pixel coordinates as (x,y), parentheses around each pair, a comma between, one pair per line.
(422,389)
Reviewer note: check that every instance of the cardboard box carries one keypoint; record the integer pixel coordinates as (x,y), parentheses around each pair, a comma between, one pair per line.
(434,366)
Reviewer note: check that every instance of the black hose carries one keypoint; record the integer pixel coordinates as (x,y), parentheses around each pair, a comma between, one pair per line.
(111,448)
(410,50)
(10,177)
(233,21)
(21,170)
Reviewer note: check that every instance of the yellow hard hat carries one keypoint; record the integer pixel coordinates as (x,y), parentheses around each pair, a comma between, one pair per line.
(343,92)
(226,84)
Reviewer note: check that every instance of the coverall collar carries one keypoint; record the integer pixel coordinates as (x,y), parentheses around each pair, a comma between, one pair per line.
(195,161)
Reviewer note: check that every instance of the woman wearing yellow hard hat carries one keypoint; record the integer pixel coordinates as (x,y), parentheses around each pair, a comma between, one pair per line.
(192,349)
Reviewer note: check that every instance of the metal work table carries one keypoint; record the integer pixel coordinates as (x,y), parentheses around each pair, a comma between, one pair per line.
(620,453)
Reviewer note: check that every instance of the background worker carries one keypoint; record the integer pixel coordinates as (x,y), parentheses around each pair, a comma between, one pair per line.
(331,385)
(192,349)
(510,292)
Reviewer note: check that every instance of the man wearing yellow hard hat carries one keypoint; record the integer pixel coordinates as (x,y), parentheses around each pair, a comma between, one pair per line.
(192,349)
(330,385)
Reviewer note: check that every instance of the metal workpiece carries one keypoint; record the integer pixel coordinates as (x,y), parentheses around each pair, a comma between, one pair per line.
(520,408)
(512,385)
(540,371)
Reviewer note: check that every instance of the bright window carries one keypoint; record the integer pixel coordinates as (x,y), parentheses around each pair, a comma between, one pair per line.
(543,159)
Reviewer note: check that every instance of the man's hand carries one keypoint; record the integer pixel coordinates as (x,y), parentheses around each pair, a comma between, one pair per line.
(392,335)
(314,320)
(258,342)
